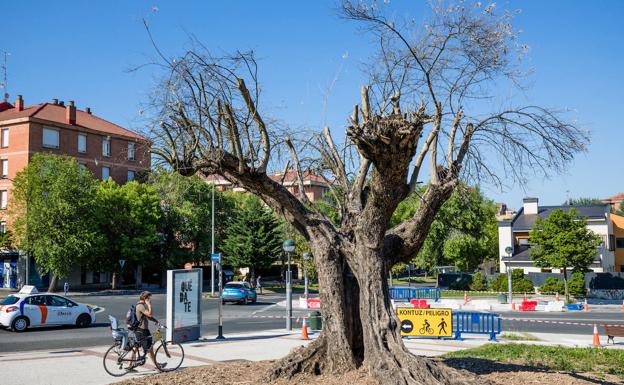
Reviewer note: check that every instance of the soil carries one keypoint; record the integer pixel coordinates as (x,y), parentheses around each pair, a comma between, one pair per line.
(255,373)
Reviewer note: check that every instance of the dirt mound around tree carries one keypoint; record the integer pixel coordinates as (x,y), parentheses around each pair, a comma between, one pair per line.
(257,372)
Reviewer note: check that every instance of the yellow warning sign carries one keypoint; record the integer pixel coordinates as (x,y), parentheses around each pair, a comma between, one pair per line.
(425,322)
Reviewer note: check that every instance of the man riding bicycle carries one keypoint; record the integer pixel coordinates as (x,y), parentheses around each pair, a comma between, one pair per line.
(142,333)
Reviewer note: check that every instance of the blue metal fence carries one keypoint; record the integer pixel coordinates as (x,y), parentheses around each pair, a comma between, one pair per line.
(476,323)
(409,293)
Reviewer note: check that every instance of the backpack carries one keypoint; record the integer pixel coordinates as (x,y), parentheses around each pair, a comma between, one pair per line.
(131,319)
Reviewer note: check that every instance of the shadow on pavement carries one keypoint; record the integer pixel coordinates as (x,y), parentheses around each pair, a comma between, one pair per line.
(483,366)
(203,341)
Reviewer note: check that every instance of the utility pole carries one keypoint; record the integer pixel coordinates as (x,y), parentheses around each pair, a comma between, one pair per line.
(212,250)
(5,85)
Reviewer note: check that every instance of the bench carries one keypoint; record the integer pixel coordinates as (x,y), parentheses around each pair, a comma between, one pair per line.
(613,331)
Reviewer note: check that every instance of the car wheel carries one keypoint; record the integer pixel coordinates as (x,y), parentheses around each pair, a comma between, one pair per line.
(255,298)
(19,324)
(246,300)
(83,321)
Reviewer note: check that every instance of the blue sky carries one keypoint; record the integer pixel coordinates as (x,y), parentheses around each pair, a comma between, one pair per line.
(83,51)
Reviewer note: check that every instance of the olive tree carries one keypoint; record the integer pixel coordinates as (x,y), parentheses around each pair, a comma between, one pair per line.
(422,115)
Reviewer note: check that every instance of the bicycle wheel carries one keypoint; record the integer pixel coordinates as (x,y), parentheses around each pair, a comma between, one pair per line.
(169,356)
(114,362)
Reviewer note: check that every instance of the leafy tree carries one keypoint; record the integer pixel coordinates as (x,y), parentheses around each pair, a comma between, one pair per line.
(185,227)
(55,214)
(583,201)
(555,285)
(620,210)
(563,241)
(464,233)
(519,283)
(128,216)
(254,237)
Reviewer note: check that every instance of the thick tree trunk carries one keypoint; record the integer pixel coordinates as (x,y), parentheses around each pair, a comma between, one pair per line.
(360,329)
(52,285)
(114,279)
(339,348)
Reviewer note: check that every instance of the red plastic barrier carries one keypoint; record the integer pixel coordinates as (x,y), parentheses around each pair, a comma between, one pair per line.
(528,306)
(314,303)
(420,304)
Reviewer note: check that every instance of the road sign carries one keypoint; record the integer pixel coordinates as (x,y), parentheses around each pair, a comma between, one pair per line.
(122,262)
(216,257)
(425,322)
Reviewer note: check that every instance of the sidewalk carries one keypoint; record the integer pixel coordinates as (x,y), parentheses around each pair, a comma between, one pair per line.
(84,366)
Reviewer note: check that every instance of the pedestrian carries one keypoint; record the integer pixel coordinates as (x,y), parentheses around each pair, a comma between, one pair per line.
(258,284)
(66,288)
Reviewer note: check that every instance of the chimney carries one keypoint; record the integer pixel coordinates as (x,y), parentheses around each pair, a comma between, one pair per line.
(530,205)
(19,103)
(88,110)
(55,101)
(70,113)
(61,103)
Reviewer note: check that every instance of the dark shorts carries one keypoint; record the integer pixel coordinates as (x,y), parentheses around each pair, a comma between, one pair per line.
(144,339)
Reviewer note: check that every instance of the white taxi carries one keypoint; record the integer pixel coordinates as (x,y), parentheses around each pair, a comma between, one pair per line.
(29,308)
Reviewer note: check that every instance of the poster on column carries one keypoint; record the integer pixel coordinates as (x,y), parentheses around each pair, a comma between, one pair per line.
(184,290)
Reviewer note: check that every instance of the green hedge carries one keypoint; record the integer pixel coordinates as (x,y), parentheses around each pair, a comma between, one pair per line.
(519,284)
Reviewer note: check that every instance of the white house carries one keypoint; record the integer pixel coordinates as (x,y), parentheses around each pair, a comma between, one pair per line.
(514,233)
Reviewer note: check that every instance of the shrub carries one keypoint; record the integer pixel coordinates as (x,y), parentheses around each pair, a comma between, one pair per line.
(478,282)
(552,286)
(519,284)
(576,284)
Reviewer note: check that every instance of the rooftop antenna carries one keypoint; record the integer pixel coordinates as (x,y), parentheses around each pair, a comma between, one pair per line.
(4,83)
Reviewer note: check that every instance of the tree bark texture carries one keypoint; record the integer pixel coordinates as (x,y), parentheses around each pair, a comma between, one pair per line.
(52,285)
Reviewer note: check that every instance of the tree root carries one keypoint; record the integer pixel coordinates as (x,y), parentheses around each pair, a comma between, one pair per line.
(403,368)
(314,359)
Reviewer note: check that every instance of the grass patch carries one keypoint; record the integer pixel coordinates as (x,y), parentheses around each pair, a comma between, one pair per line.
(518,337)
(460,294)
(596,360)
(406,281)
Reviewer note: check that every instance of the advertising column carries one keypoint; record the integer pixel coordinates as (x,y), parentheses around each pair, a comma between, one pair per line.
(184,290)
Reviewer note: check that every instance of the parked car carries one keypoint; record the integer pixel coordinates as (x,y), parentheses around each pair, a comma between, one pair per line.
(23,310)
(240,292)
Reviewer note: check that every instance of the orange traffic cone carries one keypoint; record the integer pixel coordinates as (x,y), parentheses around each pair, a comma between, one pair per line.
(513,306)
(596,336)
(465,297)
(525,298)
(304,330)
(585,306)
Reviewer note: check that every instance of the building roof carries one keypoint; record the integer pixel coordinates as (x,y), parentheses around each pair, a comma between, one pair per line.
(524,221)
(614,199)
(56,113)
(291,177)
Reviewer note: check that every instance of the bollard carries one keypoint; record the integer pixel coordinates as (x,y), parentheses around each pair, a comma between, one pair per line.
(596,341)
(585,306)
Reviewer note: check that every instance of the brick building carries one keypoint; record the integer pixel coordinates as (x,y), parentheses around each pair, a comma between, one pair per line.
(102,147)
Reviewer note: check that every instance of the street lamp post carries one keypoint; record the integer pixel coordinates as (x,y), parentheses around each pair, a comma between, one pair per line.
(509,250)
(212,248)
(289,247)
(306,258)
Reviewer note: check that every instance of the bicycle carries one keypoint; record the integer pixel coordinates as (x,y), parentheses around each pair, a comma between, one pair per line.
(428,329)
(169,355)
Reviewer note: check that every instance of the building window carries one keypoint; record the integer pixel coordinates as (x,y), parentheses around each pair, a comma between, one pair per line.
(106,147)
(5,138)
(105,173)
(3,199)
(82,143)
(50,138)
(130,175)
(5,168)
(83,167)
(3,227)
(619,243)
(130,151)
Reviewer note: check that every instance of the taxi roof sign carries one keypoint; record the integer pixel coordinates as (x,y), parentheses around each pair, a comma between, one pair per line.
(28,289)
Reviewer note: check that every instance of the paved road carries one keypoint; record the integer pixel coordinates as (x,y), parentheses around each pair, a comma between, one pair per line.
(237,318)
(257,317)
